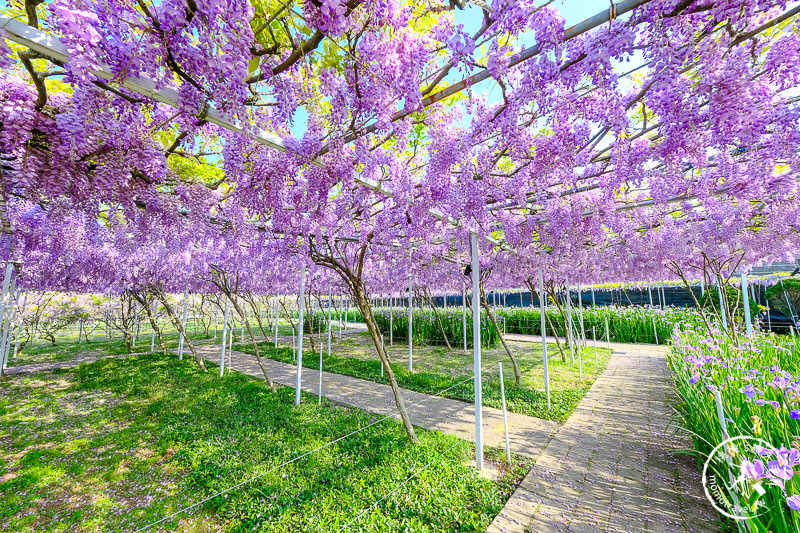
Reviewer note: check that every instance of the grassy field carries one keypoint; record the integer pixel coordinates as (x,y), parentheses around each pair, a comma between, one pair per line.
(67,347)
(117,444)
(437,369)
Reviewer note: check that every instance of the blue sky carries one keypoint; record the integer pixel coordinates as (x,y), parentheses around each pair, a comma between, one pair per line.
(573,12)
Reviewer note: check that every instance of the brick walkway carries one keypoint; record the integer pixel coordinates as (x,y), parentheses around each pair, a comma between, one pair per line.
(611,467)
(527,435)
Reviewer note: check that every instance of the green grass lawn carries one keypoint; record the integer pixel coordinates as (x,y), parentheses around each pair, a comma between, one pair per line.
(119,443)
(437,369)
(68,348)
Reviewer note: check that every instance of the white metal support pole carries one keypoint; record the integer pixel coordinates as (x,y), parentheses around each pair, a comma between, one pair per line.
(9,326)
(655,331)
(748,323)
(341,318)
(391,321)
(722,306)
(476,350)
(275,315)
(542,312)
(301,312)
(702,288)
(580,344)
(608,335)
(464,314)
(135,335)
(580,310)
(593,303)
(505,417)
(224,337)
(244,317)
(183,322)
(330,296)
(153,333)
(230,345)
(791,311)
(650,293)
(319,393)
(410,322)
(569,322)
(4,297)
(21,323)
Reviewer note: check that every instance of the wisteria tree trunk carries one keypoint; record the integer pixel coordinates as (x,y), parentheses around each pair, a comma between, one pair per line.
(162,297)
(362,301)
(251,300)
(222,281)
(550,288)
(145,302)
(427,297)
(329,254)
(531,287)
(514,363)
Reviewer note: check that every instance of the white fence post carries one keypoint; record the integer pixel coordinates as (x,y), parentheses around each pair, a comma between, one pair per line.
(410,322)
(224,337)
(505,418)
(746,303)
(301,312)
(476,350)
(542,312)
(183,322)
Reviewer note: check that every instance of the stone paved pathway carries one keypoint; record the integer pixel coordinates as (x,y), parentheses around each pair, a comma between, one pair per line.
(527,435)
(610,468)
(60,365)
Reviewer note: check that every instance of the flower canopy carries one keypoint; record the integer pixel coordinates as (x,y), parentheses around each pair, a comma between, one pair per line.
(152,141)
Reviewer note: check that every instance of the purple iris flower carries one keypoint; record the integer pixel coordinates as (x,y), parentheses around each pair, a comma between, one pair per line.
(793,502)
(754,470)
(762,451)
(794,414)
(748,390)
(780,382)
(780,468)
(773,404)
(694,379)
(794,457)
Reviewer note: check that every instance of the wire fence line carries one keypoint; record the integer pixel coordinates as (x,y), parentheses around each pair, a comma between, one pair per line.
(310,452)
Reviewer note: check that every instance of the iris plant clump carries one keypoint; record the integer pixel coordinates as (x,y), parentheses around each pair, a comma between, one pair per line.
(647,324)
(757,379)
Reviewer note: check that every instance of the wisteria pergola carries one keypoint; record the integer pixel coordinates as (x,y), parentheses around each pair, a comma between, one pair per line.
(161,147)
